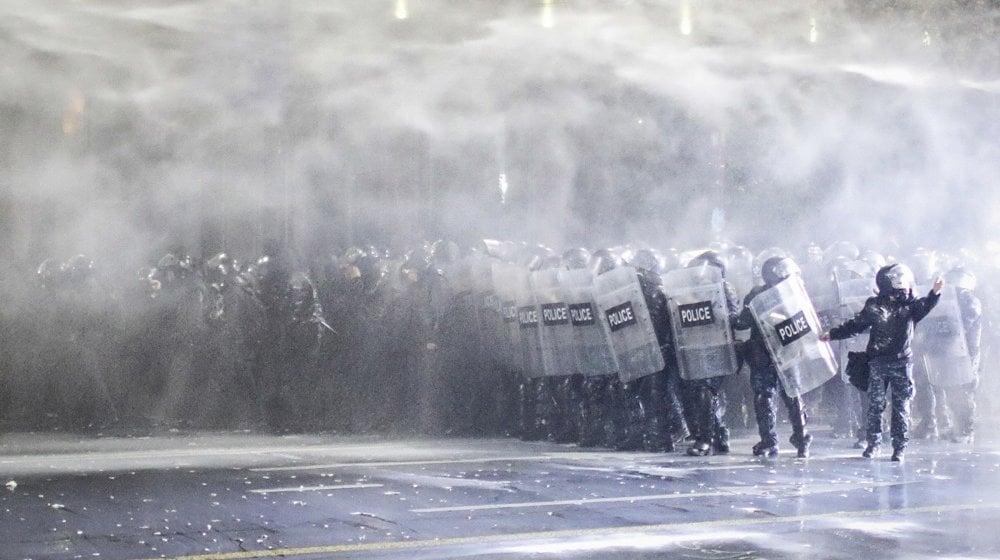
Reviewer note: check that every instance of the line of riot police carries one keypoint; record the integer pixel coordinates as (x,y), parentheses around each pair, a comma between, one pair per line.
(637,349)
(632,349)
(624,348)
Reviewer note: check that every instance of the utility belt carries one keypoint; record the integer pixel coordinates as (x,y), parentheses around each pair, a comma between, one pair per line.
(890,358)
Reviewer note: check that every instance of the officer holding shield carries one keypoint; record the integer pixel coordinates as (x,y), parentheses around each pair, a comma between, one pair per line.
(764,375)
(949,357)
(704,401)
(963,398)
(891,317)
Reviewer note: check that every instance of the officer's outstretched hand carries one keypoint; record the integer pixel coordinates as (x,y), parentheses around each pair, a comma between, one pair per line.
(825,337)
(938,285)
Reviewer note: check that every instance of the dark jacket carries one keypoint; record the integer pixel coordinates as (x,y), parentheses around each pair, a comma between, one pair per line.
(891,324)
(656,301)
(754,349)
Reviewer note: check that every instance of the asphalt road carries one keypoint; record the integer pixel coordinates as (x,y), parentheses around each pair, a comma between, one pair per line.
(243,496)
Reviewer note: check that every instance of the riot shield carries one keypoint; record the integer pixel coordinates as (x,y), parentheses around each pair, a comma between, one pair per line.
(941,345)
(489,320)
(824,298)
(852,295)
(699,315)
(741,281)
(555,329)
(592,346)
(528,321)
(505,281)
(624,313)
(791,330)
(460,279)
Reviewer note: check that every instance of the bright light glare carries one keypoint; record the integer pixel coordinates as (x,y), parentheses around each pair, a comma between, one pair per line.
(813,33)
(402,11)
(548,14)
(686,25)
(503,188)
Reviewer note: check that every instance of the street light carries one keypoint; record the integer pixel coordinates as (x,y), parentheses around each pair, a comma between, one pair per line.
(548,14)
(686,23)
(401,11)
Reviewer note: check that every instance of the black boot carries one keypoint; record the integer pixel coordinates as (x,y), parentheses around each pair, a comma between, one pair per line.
(699,448)
(765,448)
(721,441)
(801,444)
(700,420)
(871,451)
(797,416)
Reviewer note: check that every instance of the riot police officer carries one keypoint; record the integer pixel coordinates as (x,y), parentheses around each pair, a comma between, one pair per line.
(891,317)
(235,320)
(620,399)
(963,399)
(658,393)
(179,319)
(948,354)
(704,401)
(764,377)
(416,316)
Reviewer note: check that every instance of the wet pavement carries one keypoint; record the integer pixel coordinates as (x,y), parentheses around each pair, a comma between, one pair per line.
(241,496)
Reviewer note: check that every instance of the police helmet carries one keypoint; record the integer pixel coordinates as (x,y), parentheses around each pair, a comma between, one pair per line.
(966,257)
(895,278)
(738,259)
(841,249)
(222,264)
(576,258)
(216,269)
(776,269)
(413,265)
(80,266)
(648,260)
(814,254)
(352,255)
(493,248)
(350,262)
(844,269)
(371,269)
(961,278)
(763,256)
(874,259)
(444,252)
(604,260)
(50,272)
(542,257)
(300,285)
(708,258)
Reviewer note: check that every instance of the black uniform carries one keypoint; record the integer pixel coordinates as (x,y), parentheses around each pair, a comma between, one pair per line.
(764,378)
(658,394)
(705,403)
(891,318)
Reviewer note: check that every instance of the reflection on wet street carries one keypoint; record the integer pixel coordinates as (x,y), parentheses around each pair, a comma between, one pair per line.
(233,496)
